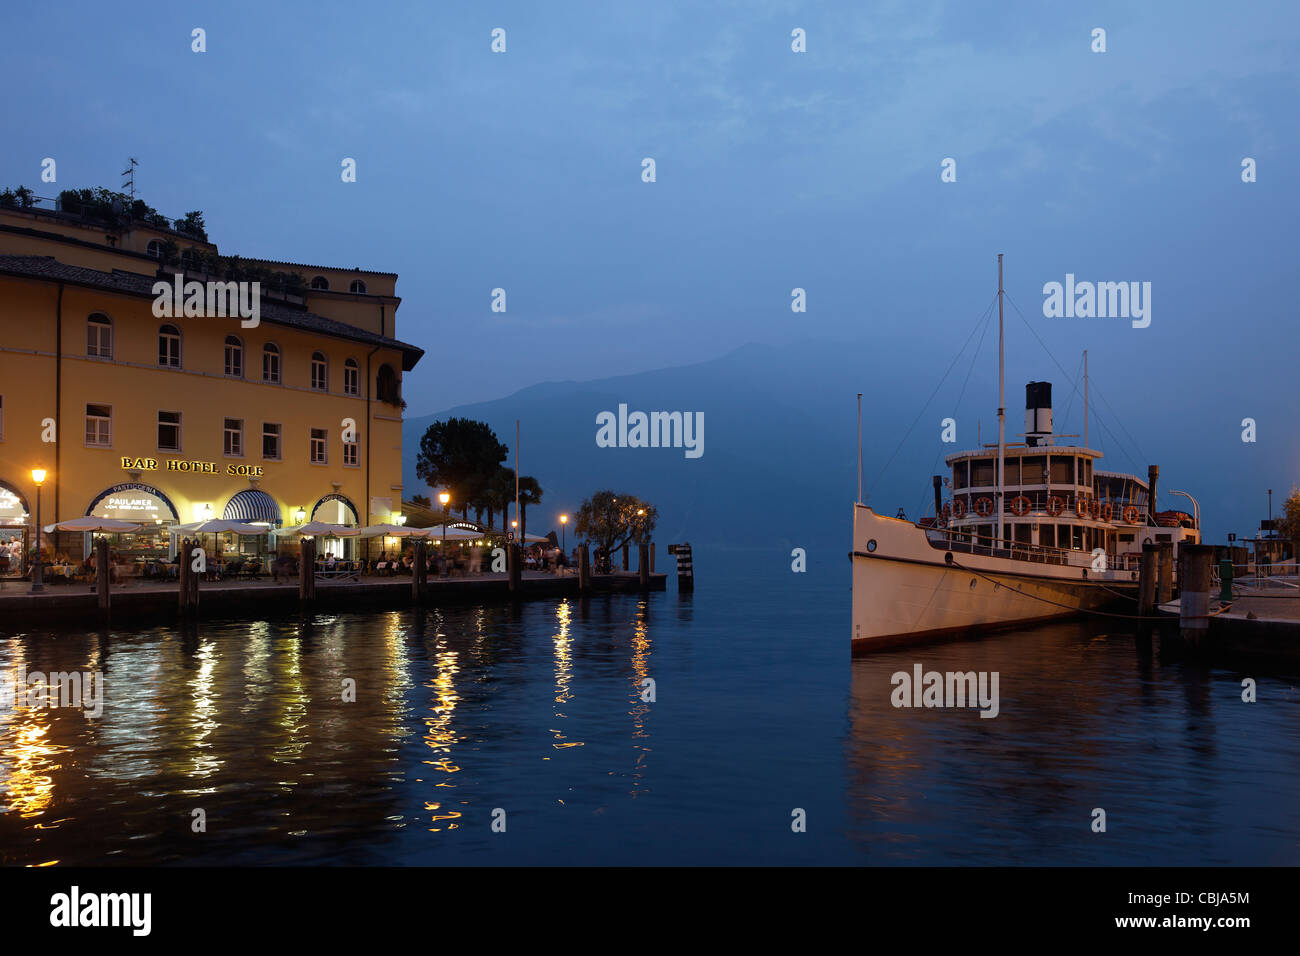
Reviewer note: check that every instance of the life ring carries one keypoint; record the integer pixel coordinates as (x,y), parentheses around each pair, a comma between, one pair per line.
(1020,505)
(1080,506)
(984,506)
(1131,514)
(1055,505)
(1107,512)
(958,508)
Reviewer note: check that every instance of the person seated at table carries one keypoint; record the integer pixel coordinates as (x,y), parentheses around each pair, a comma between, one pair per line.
(330,562)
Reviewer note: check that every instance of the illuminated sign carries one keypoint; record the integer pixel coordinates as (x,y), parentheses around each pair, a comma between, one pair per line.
(191,467)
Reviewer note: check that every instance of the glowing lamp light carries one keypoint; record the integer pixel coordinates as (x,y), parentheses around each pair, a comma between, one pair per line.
(564,519)
(399,519)
(301,515)
(444,498)
(38,475)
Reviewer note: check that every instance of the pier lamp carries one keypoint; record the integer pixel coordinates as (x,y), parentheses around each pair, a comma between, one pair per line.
(564,526)
(38,580)
(444,499)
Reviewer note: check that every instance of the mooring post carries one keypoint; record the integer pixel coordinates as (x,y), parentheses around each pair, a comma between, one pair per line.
(195,577)
(643,566)
(652,557)
(102,576)
(1225,580)
(1194,619)
(685,570)
(307,570)
(182,575)
(1147,580)
(417,572)
(625,556)
(584,569)
(1165,575)
(516,576)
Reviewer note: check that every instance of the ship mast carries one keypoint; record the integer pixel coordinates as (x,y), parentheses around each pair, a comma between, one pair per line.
(1002,409)
(1085,399)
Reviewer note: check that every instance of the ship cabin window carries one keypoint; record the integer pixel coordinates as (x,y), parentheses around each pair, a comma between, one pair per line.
(1076,537)
(1062,469)
(1031,470)
(1047,536)
(982,473)
(1022,533)
(1011,471)
(961,475)
(1085,471)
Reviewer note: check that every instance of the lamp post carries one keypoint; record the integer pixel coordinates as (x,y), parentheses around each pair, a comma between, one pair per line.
(445,500)
(1196,508)
(38,579)
(564,527)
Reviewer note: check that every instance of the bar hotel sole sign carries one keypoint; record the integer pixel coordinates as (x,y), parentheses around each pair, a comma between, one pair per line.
(191,467)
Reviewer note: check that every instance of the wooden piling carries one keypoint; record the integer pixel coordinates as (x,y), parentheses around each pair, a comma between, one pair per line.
(307,571)
(584,569)
(515,567)
(1165,574)
(1194,619)
(195,577)
(652,557)
(685,567)
(419,571)
(102,575)
(182,575)
(643,565)
(1147,580)
(1225,580)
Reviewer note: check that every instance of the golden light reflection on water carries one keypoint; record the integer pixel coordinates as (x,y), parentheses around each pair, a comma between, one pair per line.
(293,701)
(441,738)
(563,642)
(203,723)
(640,671)
(32,759)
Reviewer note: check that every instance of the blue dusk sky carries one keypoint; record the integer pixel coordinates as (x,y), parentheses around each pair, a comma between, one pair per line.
(774,170)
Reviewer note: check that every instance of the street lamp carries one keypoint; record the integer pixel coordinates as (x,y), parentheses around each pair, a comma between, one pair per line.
(38,580)
(564,526)
(444,499)
(1196,508)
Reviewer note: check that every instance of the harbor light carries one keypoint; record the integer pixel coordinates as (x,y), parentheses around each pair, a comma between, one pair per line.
(564,527)
(38,580)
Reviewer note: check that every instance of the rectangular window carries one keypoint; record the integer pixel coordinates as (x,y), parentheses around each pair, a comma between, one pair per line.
(351,378)
(234,438)
(271,364)
(99,339)
(169,347)
(169,431)
(99,426)
(271,441)
(350,454)
(1062,469)
(319,446)
(960,474)
(1031,470)
(234,359)
(982,474)
(319,380)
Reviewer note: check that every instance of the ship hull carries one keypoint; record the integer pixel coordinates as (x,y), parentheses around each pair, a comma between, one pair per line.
(905,590)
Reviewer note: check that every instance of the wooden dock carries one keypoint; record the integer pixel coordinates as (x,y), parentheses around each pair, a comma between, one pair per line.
(1265,624)
(64,604)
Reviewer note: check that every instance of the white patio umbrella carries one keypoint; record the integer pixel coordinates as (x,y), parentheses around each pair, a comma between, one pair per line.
(322,529)
(222,526)
(453,534)
(393,531)
(93,524)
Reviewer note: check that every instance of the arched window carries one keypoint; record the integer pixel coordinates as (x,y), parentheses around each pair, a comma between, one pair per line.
(169,347)
(351,377)
(99,335)
(319,372)
(188,261)
(320,282)
(234,356)
(386,386)
(357,286)
(271,363)
(154,249)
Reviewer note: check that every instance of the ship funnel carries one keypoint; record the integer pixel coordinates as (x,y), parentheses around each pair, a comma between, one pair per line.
(1038,413)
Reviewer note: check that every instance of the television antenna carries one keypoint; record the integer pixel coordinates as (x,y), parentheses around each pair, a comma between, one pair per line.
(129,173)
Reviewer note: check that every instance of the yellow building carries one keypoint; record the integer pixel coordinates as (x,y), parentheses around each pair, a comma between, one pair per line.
(172,419)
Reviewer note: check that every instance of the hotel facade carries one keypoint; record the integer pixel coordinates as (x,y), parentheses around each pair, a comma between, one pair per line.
(169,420)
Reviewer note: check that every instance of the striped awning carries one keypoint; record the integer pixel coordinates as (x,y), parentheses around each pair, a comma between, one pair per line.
(252,505)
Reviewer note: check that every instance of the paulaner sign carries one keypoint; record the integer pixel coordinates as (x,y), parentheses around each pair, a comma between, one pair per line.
(191,467)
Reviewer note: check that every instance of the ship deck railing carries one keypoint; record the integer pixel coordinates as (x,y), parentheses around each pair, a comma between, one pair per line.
(944,540)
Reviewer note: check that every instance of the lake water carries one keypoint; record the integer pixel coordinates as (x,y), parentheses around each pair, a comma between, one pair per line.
(537,712)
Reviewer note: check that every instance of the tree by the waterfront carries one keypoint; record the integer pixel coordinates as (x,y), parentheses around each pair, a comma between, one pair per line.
(613,521)
(530,493)
(460,455)
(1288,526)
